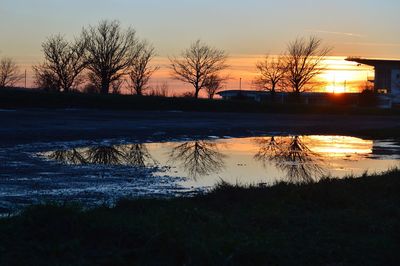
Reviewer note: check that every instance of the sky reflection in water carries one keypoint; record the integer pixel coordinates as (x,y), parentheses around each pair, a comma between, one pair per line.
(252,160)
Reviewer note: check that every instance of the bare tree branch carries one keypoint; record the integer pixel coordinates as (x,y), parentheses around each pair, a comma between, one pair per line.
(272,73)
(110,51)
(9,72)
(140,71)
(197,64)
(64,62)
(304,62)
(213,84)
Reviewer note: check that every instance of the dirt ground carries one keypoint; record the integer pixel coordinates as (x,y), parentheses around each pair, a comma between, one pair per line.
(38,125)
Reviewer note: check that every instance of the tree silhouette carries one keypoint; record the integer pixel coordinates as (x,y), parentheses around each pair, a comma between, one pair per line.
(198,158)
(304,61)
(110,51)
(213,84)
(9,72)
(140,71)
(63,64)
(197,64)
(272,73)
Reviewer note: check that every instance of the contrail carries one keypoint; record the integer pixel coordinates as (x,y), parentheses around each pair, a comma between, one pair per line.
(337,33)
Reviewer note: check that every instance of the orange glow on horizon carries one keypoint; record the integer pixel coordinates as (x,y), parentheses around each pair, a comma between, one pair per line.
(340,76)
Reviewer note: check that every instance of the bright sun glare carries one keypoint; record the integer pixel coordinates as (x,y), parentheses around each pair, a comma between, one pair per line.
(335,89)
(343,76)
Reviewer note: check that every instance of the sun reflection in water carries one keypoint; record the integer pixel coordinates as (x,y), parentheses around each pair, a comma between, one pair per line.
(339,146)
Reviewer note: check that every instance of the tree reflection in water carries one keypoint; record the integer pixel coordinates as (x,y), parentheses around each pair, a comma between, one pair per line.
(198,158)
(292,156)
(138,155)
(107,155)
(133,155)
(68,156)
(269,148)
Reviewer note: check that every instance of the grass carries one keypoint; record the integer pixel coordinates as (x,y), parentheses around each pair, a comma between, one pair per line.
(20,98)
(332,222)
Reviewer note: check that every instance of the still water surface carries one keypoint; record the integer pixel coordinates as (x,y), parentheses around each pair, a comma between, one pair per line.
(101,172)
(267,159)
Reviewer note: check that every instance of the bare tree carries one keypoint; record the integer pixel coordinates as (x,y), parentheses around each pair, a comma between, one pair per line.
(304,61)
(116,86)
(110,51)
(9,72)
(45,79)
(272,73)
(213,84)
(197,64)
(63,64)
(140,71)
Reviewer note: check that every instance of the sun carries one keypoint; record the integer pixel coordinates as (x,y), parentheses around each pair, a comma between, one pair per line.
(341,76)
(335,89)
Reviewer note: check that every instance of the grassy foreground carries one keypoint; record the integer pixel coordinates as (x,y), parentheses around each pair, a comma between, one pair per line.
(333,222)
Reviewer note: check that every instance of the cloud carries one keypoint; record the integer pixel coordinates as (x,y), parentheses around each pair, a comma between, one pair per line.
(350,34)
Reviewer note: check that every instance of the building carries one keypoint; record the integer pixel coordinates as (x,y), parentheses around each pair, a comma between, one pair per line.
(316,98)
(387,77)
(386,84)
(257,96)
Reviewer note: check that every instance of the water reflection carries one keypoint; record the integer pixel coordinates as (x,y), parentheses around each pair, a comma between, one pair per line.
(67,156)
(294,159)
(136,155)
(198,158)
(110,155)
(292,156)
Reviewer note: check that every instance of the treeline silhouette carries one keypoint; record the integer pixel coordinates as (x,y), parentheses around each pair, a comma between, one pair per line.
(105,58)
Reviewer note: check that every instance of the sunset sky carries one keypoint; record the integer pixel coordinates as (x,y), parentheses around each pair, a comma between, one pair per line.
(245,29)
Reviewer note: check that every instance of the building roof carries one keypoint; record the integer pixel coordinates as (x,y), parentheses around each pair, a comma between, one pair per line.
(241,92)
(375,62)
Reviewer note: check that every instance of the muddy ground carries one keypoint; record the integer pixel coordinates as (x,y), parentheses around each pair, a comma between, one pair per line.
(46,125)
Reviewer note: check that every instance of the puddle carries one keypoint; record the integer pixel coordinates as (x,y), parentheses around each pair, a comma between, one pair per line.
(102,172)
(243,160)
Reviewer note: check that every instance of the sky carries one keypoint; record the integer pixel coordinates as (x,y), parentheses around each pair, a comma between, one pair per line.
(245,29)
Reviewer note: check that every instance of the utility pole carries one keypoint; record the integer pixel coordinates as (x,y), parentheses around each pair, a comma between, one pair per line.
(240,84)
(25,78)
(334,83)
